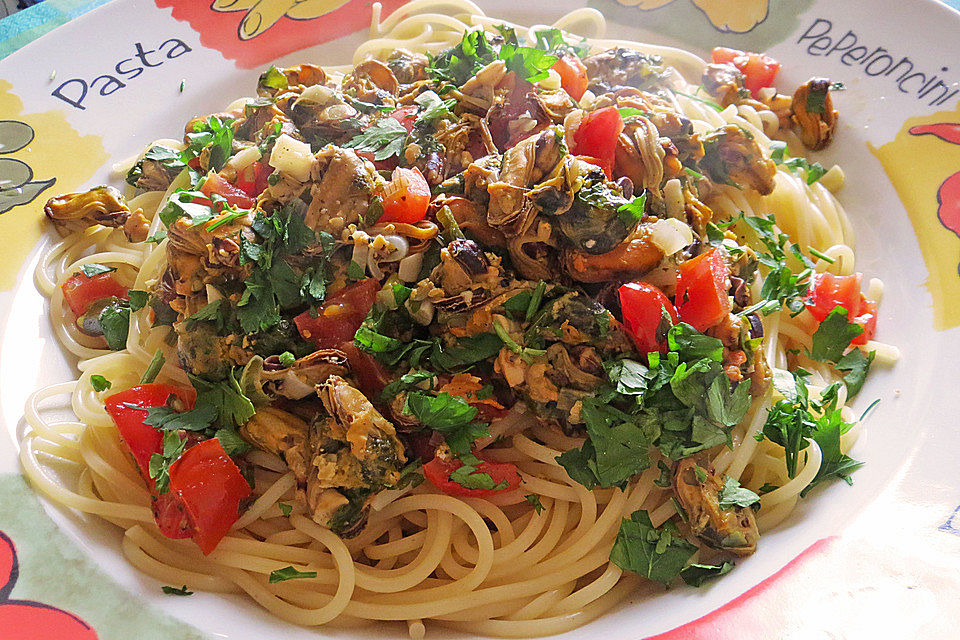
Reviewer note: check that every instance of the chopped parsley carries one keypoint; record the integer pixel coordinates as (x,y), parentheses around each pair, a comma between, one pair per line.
(782,287)
(168,158)
(384,139)
(657,553)
(273,285)
(222,403)
(153,369)
(696,575)
(475,51)
(733,495)
(433,107)
(813,171)
(289,573)
(534,500)
(214,134)
(138,299)
(176,591)
(681,402)
(273,78)
(831,339)
(791,422)
(452,416)
(159,467)
(231,442)
(285,508)
(833,336)
(94,269)
(115,323)
(99,383)
(469,477)
(181,205)
(552,41)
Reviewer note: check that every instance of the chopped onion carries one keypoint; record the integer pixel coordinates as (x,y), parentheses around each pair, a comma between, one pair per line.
(213,294)
(833,179)
(295,388)
(673,198)
(318,93)
(671,235)
(400,248)
(292,157)
(244,159)
(373,267)
(361,251)
(551,82)
(386,298)
(424,314)
(409,267)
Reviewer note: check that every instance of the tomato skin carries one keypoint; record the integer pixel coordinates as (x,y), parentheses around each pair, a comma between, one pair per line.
(439,469)
(759,70)
(234,195)
(828,291)
(339,316)
(702,286)
(642,306)
(371,376)
(80,292)
(171,516)
(142,439)
(210,486)
(406,197)
(573,75)
(597,137)
(867,318)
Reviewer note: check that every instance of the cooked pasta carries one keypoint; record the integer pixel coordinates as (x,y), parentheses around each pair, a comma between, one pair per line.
(586,286)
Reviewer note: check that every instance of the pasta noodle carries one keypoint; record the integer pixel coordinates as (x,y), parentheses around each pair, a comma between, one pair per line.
(493,566)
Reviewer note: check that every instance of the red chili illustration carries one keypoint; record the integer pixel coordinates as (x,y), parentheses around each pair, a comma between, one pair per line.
(28,620)
(948,195)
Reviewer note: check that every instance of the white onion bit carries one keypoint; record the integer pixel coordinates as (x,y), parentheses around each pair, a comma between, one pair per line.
(409,267)
(671,235)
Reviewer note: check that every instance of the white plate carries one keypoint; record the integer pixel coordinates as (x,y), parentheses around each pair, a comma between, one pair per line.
(909,435)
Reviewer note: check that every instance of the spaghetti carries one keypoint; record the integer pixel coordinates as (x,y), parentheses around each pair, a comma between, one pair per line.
(531,560)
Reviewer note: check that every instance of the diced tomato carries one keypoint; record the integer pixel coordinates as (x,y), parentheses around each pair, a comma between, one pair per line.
(597,137)
(759,70)
(867,318)
(234,195)
(210,487)
(142,439)
(406,116)
(171,516)
(81,292)
(439,469)
(253,180)
(828,292)
(371,376)
(573,75)
(340,316)
(406,197)
(702,285)
(642,305)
